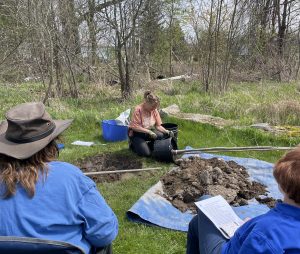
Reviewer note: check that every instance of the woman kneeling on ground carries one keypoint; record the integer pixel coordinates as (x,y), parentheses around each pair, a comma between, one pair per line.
(145,126)
(45,198)
(277,231)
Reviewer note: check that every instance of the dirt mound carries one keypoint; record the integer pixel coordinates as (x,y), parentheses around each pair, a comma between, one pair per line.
(108,162)
(196,177)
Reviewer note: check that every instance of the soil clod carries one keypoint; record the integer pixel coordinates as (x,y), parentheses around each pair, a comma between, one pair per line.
(196,177)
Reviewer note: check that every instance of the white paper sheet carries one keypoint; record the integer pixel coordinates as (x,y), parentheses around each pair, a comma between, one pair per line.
(221,214)
(82,143)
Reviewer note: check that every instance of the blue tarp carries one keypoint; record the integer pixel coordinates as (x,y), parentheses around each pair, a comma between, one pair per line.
(152,208)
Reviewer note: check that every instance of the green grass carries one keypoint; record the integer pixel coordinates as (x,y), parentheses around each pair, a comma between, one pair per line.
(276,103)
(97,103)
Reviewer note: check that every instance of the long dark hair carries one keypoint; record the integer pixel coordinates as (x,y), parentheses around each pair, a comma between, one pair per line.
(25,172)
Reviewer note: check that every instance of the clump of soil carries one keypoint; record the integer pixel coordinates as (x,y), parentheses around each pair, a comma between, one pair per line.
(108,162)
(196,177)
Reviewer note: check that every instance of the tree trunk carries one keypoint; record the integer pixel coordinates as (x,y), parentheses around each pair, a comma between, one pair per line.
(282,26)
(70,26)
(210,46)
(92,32)
(171,40)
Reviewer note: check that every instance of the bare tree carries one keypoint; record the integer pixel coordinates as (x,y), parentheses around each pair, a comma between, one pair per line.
(62,42)
(122,18)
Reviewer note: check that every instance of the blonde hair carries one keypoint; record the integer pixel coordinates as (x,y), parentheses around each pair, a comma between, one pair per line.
(151,98)
(26,172)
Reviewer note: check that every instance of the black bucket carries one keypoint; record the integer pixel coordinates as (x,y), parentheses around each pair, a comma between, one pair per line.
(171,127)
(162,149)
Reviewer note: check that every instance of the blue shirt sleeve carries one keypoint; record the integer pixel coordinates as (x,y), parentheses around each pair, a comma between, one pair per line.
(100,222)
(257,243)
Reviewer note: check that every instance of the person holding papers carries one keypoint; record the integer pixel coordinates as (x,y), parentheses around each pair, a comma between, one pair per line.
(277,231)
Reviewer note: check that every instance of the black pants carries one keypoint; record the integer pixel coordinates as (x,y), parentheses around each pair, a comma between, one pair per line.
(203,236)
(142,144)
(103,250)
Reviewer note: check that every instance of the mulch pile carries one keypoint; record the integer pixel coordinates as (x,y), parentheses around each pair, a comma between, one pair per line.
(109,162)
(196,177)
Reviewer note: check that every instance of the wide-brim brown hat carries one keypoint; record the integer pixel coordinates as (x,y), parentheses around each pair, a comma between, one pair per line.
(28,129)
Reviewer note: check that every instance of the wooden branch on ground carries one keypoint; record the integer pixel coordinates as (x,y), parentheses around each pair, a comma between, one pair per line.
(120,171)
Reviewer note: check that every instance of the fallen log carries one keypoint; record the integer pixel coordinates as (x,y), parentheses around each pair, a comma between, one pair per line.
(174,78)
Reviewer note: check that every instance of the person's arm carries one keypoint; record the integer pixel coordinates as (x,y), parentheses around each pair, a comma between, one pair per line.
(162,129)
(259,244)
(100,223)
(158,125)
(141,129)
(252,243)
(158,122)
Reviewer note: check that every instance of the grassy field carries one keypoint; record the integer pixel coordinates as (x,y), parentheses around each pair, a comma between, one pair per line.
(243,103)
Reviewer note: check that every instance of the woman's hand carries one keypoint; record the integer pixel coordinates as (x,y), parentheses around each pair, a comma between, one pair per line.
(171,134)
(152,135)
(246,219)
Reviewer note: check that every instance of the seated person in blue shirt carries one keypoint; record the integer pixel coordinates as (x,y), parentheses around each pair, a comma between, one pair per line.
(277,231)
(45,198)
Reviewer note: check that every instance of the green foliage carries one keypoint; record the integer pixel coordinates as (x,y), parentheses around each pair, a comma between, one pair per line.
(179,47)
(158,35)
(150,27)
(247,103)
(169,37)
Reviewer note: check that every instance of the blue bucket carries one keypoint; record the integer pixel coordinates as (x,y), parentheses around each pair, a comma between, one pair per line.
(60,146)
(113,132)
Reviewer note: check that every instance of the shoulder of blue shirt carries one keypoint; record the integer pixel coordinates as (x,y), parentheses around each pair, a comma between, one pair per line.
(68,173)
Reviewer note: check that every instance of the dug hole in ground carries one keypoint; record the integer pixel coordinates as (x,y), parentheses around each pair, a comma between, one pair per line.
(109,162)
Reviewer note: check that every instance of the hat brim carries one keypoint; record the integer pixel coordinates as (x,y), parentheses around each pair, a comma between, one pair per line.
(24,151)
